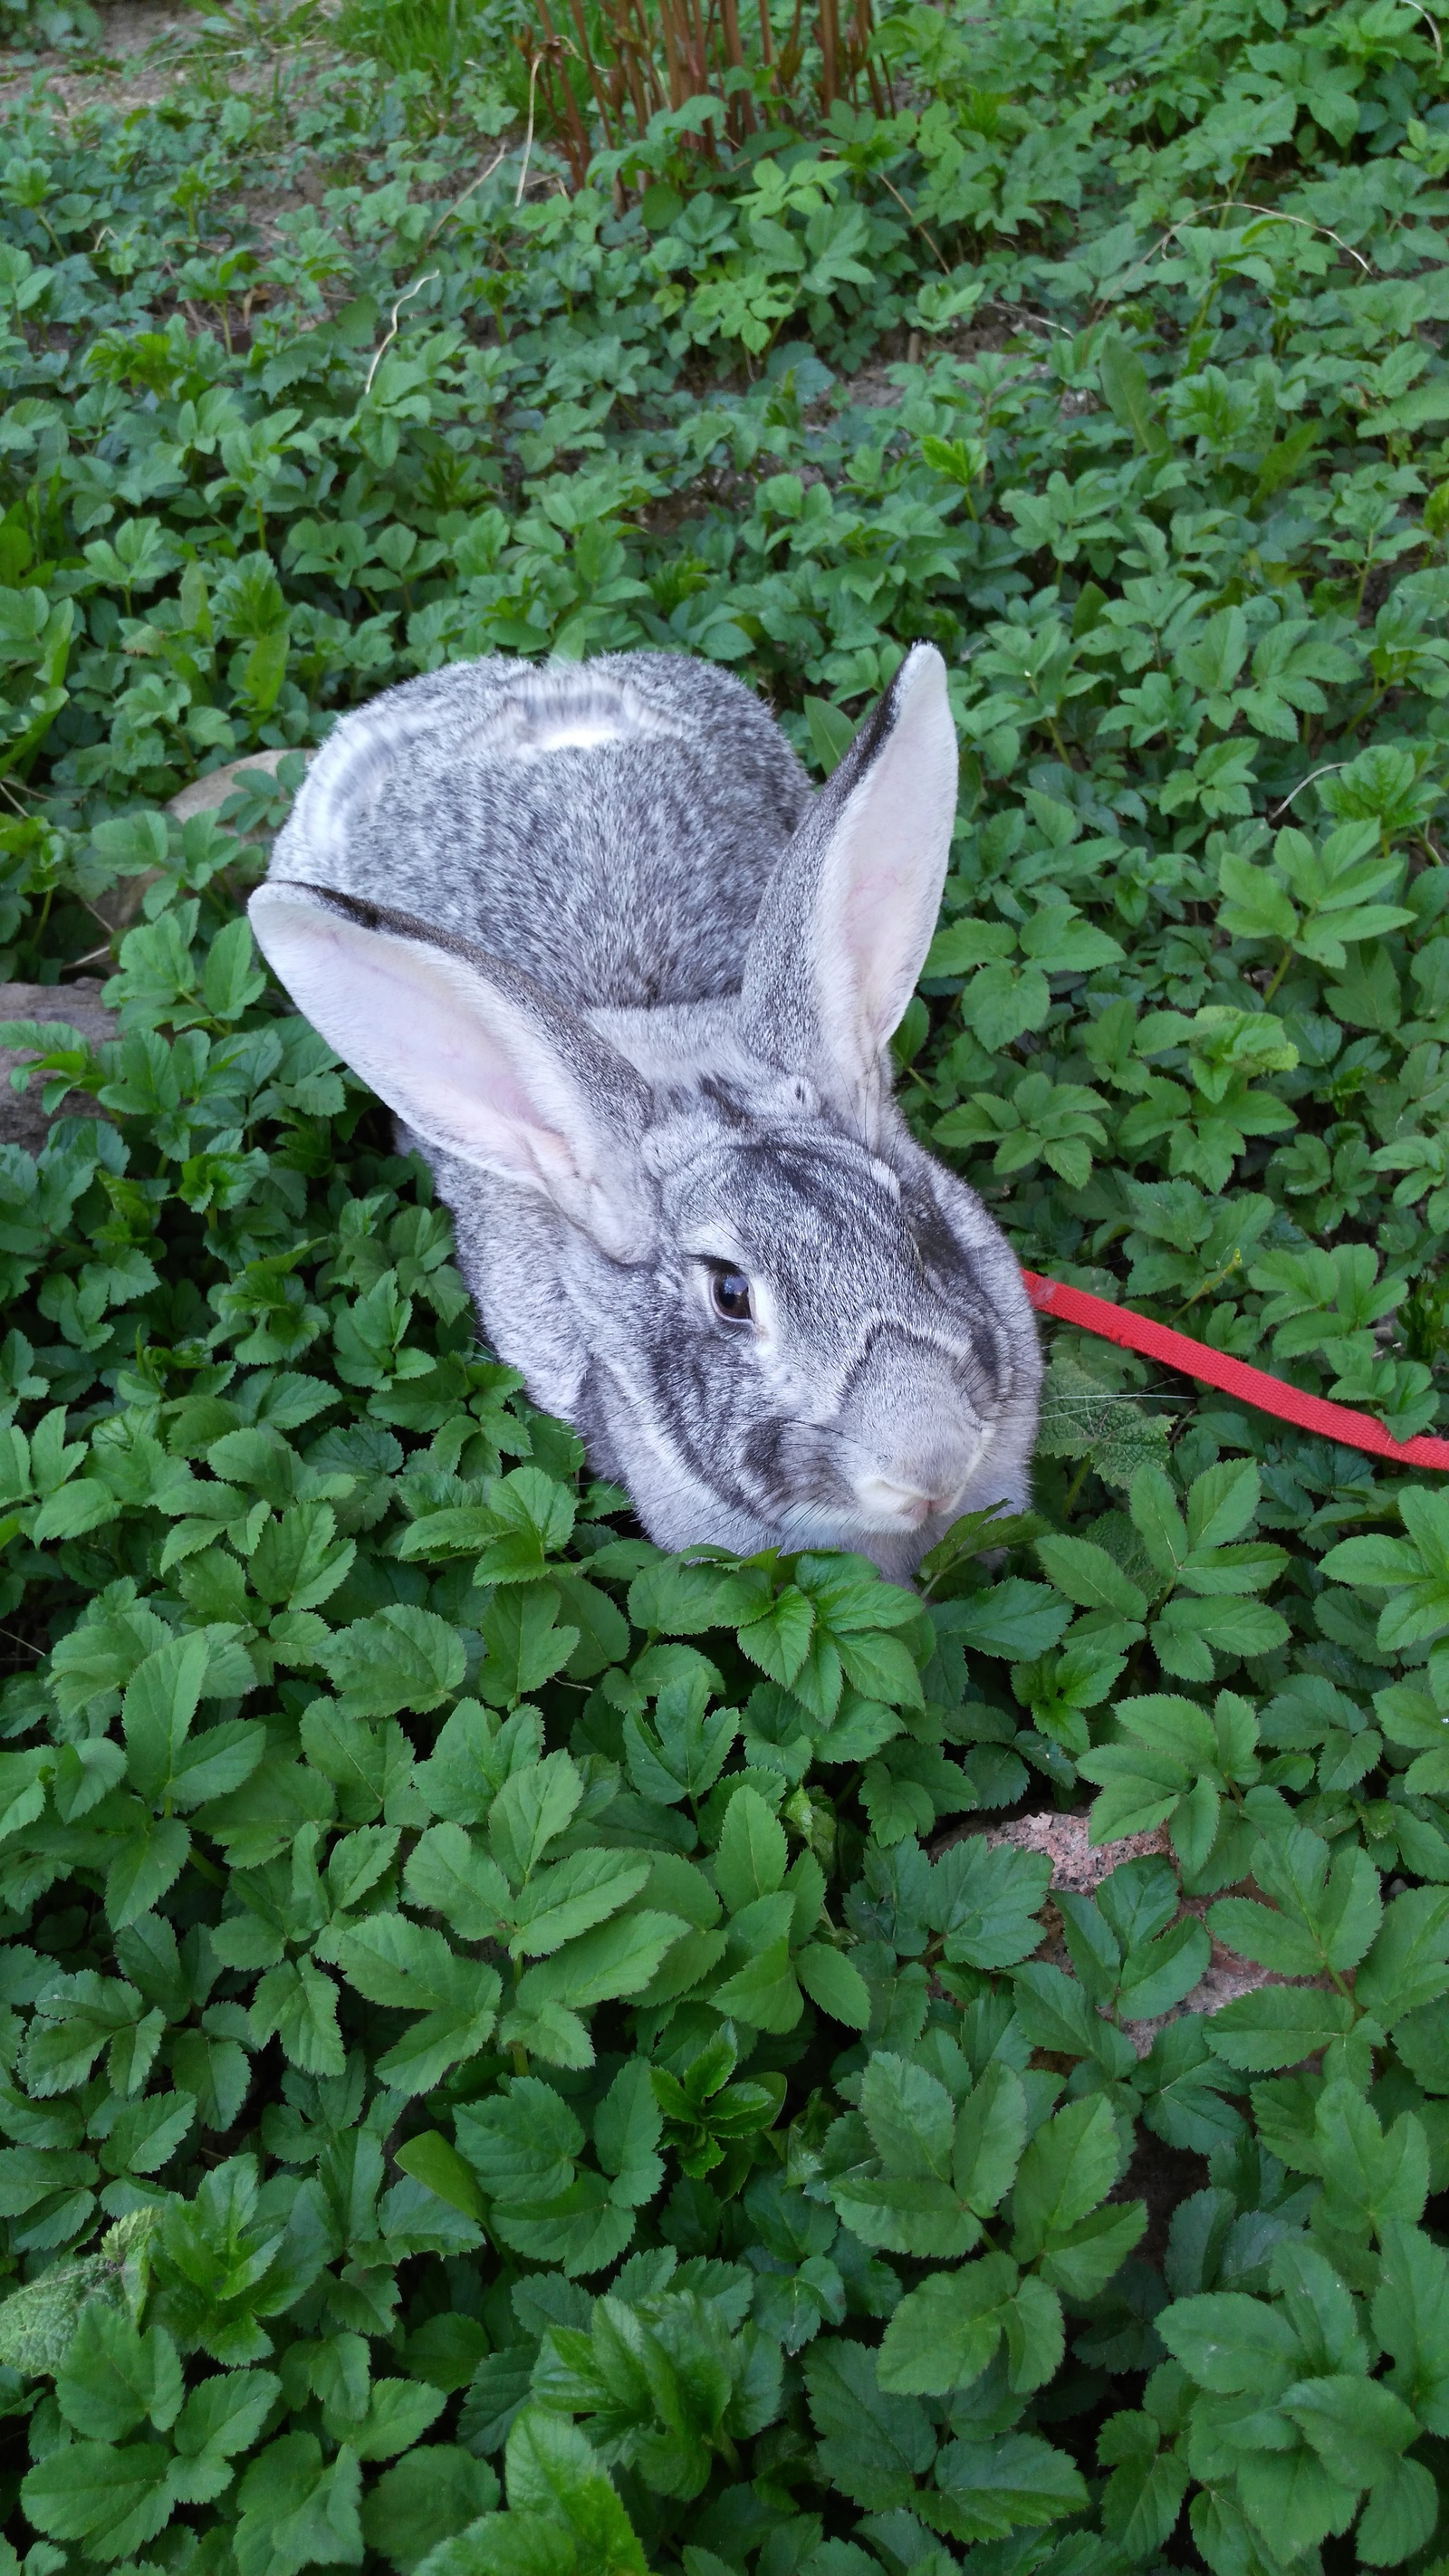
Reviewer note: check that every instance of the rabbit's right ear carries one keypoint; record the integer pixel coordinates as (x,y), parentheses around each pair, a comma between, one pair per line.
(842,934)
(471,1053)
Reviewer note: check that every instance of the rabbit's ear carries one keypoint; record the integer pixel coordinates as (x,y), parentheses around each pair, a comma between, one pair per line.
(843,931)
(471,1053)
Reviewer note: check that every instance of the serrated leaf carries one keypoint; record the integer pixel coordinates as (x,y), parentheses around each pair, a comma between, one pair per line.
(989,2488)
(872,2444)
(943,2334)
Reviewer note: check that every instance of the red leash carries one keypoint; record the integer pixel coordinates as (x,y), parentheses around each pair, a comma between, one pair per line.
(1233,1377)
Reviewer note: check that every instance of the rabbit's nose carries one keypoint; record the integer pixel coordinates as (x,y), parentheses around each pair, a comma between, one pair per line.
(908,1505)
(902,1500)
(915,1437)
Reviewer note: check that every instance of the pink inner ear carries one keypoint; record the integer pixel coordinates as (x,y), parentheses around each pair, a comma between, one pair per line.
(893,864)
(883,879)
(430,1044)
(877,908)
(407,1022)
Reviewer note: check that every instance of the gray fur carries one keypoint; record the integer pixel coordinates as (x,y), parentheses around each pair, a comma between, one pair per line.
(581,926)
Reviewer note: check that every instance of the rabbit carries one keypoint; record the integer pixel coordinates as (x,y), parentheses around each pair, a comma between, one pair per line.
(629,987)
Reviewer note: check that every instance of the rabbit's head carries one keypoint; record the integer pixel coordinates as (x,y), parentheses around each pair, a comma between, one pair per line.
(719,1250)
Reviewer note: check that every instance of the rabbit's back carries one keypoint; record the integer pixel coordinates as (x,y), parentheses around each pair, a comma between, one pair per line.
(608,826)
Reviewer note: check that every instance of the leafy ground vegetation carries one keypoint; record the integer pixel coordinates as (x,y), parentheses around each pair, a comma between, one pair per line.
(505,2069)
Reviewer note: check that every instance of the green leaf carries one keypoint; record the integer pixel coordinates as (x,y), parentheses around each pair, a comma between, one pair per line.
(1232,2343)
(1400,2516)
(112,2500)
(297,2512)
(1357,2427)
(872,2444)
(935,2170)
(1259,1932)
(221,2417)
(1293,2496)
(943,2335)
(551,2471)
(1407,1965)
(1140,1789)
(522,2143)
(429,2497)
(448,1874)
(38,2321)
(1081,2260)
(1277,2026)
(297,2004)
(616,1958)
(561,1902)
(627,2127)
(1158,1974)
(1176,1728)
(990,2135)
(1069,2166)
(149,1858)
(114,2379)
(431,2161)
(530,1810)
(985,1901)
(392,1961)
(1143,2498)
(910,2117)
(148,2134)
(156,1712)
(401,1658)
(989,2488)
(399,2412)
(1013,1619)
(1336,1901)
(1086,1573)
(834,1983)
(1124,384)
(765,1992)
(751,1854)
(778,1640)
(682,1598)
(1372,2175)
(1411,2320)
(504,2544)
(880,1667)
(831,731)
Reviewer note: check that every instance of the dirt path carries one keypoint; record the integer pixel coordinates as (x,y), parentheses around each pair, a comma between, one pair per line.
(147,50)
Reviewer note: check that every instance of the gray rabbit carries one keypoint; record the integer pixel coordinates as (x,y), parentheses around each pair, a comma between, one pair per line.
(630,986)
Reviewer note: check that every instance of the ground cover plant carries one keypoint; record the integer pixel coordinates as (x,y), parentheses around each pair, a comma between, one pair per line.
(505,2068)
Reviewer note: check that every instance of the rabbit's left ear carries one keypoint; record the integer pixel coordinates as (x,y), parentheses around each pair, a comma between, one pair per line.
(470,1052)
(842,934)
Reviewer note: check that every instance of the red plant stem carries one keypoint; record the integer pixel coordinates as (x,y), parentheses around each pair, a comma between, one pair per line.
(829,54)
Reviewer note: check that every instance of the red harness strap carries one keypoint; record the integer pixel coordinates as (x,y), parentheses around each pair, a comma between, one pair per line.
(1233,1377)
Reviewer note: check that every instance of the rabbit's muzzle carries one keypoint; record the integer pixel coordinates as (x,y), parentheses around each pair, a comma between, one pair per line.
(887,1503)
(922,1481)
(904,1446)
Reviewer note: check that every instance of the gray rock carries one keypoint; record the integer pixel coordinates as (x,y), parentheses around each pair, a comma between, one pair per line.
(1079,1867)
(204,795)
(78,1005)
(23,1120)
(120,903)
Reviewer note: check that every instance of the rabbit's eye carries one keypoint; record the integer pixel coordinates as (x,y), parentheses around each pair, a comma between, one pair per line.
(729,1292)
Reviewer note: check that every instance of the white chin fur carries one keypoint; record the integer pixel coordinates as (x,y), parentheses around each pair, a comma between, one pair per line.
(807,1525)
(891,1508)
(885,1507)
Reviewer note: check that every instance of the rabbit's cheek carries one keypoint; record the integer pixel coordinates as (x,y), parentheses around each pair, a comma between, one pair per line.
(800,1469)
